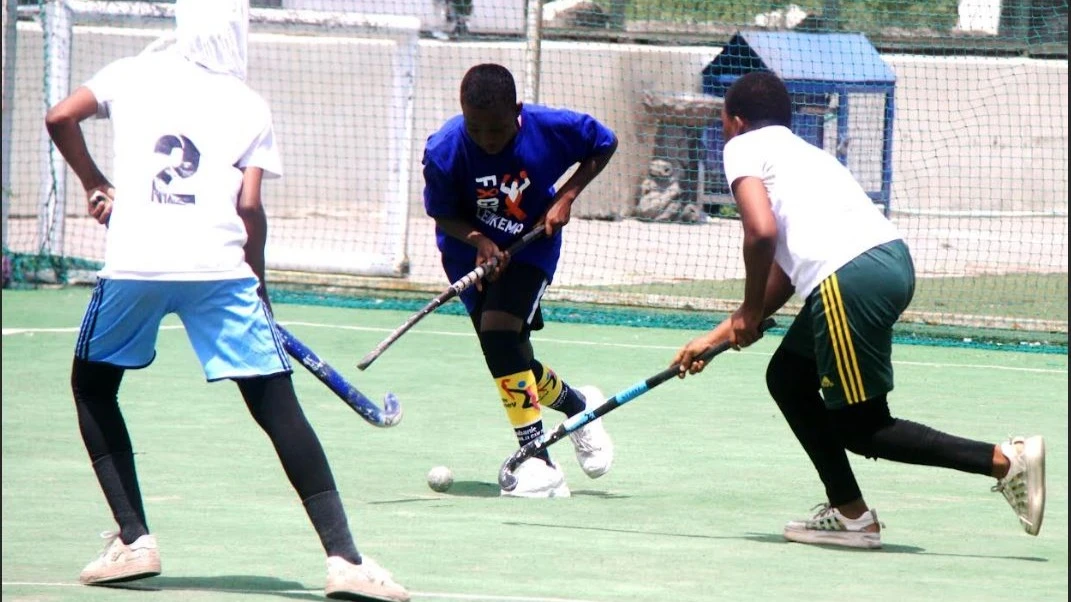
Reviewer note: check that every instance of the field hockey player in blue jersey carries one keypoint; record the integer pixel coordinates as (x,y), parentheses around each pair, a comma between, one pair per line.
(490,177)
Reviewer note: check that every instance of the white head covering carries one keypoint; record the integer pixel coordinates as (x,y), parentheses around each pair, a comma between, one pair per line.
(214,34)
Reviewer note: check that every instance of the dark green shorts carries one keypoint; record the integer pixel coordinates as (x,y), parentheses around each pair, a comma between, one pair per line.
(846,324)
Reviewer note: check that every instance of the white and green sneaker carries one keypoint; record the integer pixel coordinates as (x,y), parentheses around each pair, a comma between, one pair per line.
(1024,485)
(830,527)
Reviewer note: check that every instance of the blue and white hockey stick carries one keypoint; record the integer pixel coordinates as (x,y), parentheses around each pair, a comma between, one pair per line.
(506,478)
(451,291)
(389,415)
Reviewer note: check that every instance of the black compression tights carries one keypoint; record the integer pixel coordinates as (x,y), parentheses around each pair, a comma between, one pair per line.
(867,429)
(96,388)
(274,405)
(793,383)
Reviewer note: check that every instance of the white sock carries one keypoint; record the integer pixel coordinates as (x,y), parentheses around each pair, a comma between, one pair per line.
(1015,459)
(858,524)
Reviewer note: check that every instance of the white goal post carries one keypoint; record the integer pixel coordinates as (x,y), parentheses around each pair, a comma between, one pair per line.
(341,89)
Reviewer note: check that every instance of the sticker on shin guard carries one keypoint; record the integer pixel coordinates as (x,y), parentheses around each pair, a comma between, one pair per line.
(551,388)
(520,397)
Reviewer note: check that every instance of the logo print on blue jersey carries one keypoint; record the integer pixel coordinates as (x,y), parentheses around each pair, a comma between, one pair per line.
(514,188)
(490,205)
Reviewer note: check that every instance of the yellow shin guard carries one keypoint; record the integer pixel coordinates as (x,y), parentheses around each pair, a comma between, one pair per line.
(520,396)
(551,388)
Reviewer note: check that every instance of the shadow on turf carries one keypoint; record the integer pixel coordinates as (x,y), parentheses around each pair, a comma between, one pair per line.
(224,584)
(486,489)
(777,538)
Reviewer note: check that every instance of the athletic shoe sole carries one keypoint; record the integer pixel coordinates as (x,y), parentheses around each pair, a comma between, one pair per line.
(1034,456)
(845,539)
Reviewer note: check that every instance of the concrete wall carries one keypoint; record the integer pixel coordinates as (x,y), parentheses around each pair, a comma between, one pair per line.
(980,134)
(488,16)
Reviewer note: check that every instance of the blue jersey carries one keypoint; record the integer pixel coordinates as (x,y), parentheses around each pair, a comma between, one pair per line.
(504,195)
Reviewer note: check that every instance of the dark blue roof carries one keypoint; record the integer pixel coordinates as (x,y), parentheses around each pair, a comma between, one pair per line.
(830,57)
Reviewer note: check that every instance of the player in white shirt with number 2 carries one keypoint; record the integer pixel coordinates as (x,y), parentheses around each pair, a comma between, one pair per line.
(186,235)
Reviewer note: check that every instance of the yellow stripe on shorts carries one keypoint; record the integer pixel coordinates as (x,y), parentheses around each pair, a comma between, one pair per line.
(833,324)
(853,359)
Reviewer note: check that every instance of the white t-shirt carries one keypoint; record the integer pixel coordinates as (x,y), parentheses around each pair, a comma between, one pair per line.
(824,217)
(182,135)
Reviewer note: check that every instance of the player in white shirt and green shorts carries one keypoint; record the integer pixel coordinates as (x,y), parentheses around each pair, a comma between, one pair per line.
(811,230)
(186,236)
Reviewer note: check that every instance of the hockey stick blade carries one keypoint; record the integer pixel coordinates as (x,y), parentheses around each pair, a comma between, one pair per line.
(508,481)
(389,415)
(455,289)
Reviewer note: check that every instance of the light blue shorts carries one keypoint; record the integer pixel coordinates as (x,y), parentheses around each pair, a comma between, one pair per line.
(226,321)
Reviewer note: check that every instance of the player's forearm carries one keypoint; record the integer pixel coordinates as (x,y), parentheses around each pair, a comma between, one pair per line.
(779,290)
(588,170)
(460,229)
(251,210)
(256,228)
(758,259)
(66,134)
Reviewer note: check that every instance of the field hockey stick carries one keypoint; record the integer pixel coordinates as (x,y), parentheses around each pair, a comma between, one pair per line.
(389,415)
(451,291)
(508,481)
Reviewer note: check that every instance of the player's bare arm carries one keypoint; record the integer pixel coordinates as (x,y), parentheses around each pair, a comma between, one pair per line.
(486,249)
(685,358)
(251,210)
(767,287)
(561,209)
(779,290)
(760,242)
(63,122)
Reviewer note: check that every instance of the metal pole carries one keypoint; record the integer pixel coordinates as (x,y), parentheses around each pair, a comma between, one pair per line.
(58,31)
(10,30)
(831,15)
(399,153)
(618,8)
(532,60)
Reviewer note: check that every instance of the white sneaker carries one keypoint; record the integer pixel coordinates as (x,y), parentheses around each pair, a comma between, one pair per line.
(365,581)
(830,527)
(594,449)
(1024,485)
(535,478)
(120,562)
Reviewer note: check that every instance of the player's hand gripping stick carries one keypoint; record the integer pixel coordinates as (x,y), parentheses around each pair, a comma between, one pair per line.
(455,289)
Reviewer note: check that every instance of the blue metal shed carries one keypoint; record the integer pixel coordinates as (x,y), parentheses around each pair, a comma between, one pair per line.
(827,74)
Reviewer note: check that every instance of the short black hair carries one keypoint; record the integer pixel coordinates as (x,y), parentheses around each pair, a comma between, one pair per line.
(761,98)
(488,86)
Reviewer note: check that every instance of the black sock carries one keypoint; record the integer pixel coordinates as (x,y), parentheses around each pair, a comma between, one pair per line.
(793,383)
(96,388)
(527,434)
(119,482)
(274,405)
(329,519)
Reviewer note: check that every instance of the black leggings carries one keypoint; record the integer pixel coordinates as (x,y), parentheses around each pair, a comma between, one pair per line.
(866,428)
(274,405)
